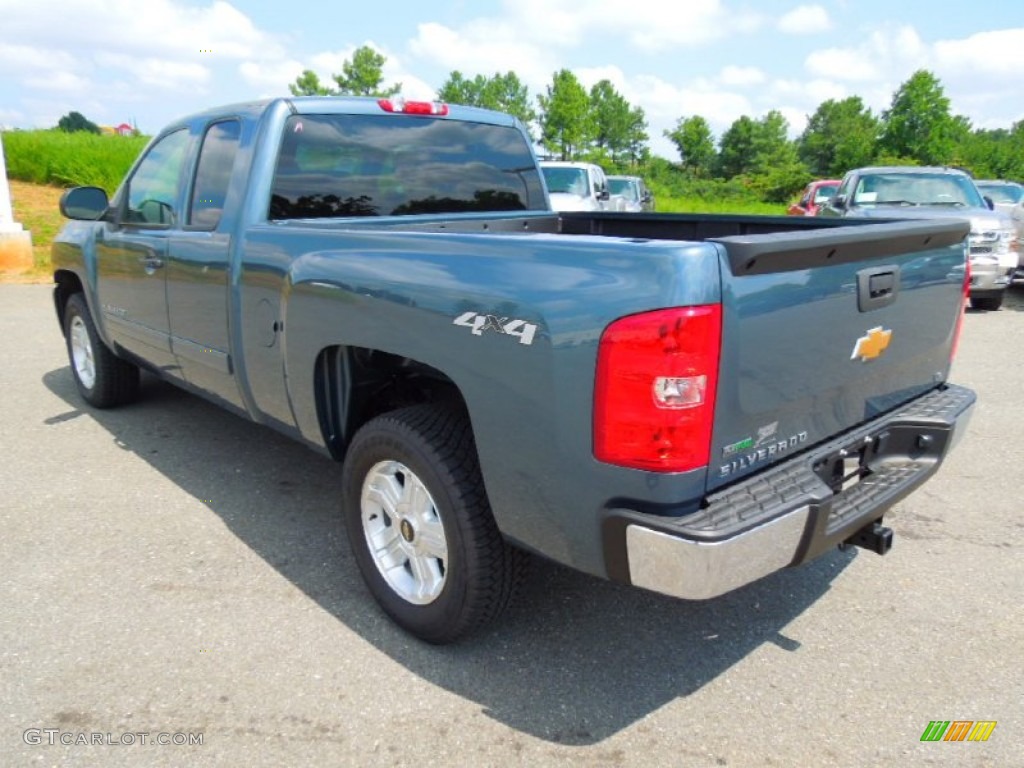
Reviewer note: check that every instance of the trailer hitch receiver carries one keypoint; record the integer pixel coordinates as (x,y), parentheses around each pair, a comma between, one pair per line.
(874,536)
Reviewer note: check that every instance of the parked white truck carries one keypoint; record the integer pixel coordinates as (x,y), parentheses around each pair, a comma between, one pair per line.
(578,187)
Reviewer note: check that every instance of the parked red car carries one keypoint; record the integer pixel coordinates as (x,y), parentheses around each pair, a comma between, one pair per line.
(815,195)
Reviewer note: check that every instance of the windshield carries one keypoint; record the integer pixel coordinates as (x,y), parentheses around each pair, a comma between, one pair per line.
(627,188)
(939,189)
(1002,193)
(572,181)
(825,192)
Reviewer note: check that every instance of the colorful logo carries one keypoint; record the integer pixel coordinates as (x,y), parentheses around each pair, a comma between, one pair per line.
(872,344)
(958,730)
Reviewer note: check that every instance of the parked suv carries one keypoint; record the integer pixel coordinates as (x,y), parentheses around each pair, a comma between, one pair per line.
(909,192)
(636,197)
(577,186)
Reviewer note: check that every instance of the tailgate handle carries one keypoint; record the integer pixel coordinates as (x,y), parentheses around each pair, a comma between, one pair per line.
(877,287)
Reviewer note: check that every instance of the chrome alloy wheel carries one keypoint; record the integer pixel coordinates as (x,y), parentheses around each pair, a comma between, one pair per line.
(81,353)
(404,532)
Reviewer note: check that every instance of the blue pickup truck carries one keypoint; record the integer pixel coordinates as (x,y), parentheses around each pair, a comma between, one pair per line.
(684,403)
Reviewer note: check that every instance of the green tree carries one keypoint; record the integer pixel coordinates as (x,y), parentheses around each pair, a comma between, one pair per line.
(840,135)
(76,121)
(308,84)
(501,92)
(610,116)
(918,125)
(637,150)
(696,144)
(993,154)
(777,171)
(737,148)
(363,75)
(565,120)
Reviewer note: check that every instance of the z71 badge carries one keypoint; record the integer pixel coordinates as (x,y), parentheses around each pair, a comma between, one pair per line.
(521,329)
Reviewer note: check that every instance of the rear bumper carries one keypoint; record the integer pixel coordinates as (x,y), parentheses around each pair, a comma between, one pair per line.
(788,514)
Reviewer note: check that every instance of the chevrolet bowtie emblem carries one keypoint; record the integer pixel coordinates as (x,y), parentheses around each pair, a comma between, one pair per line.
(871,345)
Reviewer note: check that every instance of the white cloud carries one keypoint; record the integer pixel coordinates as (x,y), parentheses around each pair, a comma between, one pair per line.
(270,77)
(883,54)
(27,59)
(58,81)
(529,28)
(483,47)
(805,20)
(741,76)
(152,28)
(999,54)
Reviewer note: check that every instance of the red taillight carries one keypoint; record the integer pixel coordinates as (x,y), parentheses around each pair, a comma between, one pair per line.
(413,107)
(654,398)
(963,308)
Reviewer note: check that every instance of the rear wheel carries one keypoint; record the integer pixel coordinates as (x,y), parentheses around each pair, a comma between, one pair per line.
(420,525)
(103,379)
(989,303)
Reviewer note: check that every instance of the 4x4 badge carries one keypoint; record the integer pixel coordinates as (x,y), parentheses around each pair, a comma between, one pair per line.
(871,345)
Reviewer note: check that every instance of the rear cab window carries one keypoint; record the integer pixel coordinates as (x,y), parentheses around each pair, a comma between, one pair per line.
(388,165)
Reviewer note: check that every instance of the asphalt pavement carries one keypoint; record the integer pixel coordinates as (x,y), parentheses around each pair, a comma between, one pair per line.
(171,572)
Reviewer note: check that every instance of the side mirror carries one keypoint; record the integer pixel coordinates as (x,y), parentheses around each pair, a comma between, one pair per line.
(603,194)
(989,202)
(838,202)
(84,203)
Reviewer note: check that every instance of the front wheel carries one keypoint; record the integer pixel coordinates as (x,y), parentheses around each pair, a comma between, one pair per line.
(989,303)
(420,525)
(103,379)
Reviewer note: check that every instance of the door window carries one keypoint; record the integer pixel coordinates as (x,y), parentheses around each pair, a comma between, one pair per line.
(153,188)
(213,174)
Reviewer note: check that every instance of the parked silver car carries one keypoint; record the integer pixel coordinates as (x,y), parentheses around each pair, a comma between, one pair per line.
(911,192)
(636,197)
(1008,197)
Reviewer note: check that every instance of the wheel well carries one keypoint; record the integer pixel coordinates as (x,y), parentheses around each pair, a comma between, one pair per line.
(68,284)
(355,384)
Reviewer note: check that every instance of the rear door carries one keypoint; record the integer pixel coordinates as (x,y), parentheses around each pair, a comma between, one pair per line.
(825,329)
(197,266)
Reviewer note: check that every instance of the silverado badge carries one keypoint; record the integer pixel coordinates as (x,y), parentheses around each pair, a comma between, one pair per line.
(871,345)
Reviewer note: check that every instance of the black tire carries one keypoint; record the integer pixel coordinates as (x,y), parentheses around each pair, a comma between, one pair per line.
(989,303)
(112,381)
(431,447)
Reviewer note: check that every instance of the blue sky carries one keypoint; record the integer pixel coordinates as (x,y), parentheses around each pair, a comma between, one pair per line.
(149,61)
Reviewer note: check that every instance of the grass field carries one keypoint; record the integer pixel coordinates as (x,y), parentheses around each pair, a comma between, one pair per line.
(70,159)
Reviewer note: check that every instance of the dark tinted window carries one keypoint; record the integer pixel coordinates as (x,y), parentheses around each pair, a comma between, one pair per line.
(380,165)
(153,188)
(216,160)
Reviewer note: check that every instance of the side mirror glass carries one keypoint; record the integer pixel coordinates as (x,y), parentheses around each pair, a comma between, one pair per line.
(84,203)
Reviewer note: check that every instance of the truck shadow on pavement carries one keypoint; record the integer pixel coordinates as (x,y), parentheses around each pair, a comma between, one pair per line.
(574,661)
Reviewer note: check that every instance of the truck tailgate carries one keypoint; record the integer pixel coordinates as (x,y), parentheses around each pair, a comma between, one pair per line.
(825,329)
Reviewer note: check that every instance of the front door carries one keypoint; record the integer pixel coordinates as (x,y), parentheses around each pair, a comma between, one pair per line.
(132,254)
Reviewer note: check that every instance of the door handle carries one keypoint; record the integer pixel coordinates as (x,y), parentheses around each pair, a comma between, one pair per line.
(877,287)
(152,263)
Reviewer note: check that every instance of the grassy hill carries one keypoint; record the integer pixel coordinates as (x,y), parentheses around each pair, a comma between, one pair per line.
(35,208)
